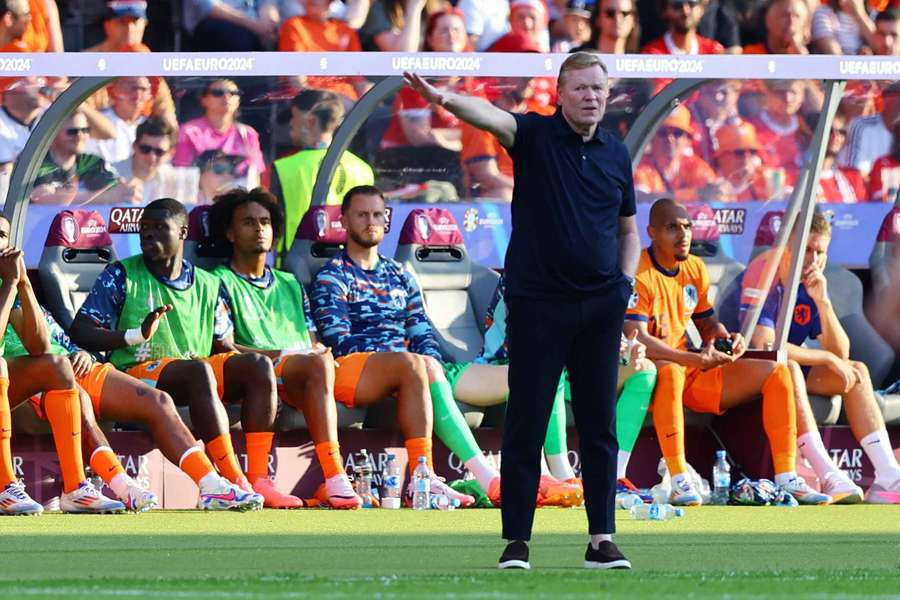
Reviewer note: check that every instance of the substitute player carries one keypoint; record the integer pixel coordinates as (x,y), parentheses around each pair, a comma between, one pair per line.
(162,322)
(671,289)
(826,371)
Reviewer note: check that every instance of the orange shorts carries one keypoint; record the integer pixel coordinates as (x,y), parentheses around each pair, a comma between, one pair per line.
(92,383)
(348,370)
(703,390)
(149,371)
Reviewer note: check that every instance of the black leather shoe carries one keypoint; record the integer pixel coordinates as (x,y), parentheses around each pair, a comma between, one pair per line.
(606,556)
(515,556)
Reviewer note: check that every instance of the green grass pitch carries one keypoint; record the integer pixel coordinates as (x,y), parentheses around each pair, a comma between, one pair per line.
(735,552)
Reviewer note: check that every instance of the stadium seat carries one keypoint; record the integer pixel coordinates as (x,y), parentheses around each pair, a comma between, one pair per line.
(76,251)
(319,238)
(457,291)
(199,247)
(883,251)
(767,232)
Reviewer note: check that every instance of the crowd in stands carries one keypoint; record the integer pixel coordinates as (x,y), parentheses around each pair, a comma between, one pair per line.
(142,137)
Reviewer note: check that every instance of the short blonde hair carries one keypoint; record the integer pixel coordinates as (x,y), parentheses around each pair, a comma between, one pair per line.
(581,60)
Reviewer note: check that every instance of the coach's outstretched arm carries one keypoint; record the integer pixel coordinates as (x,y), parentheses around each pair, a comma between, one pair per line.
(473,110)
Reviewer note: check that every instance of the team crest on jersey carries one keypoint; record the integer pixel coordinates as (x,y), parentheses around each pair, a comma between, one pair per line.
(690,298)
(802,314)
(633,300)
(152,366)
(398,299)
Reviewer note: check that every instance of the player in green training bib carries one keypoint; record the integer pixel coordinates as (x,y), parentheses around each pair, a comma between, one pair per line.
(270,313)
(163,322)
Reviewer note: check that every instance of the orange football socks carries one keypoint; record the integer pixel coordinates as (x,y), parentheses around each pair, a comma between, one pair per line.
(7,472)
(222,453)
(63,411)
(416,447)
(780,419)
(106,464)
(329,454)
(668,416)
(259,444)
(195,463)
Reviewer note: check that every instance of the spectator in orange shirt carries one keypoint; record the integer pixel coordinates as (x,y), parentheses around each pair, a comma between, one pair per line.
(743,175)
(780,129)
(43,32)
(787,29)
(124,27)
(15,16)
(487,167)
(671,168)
(840,184)
(316,32)
(683,18)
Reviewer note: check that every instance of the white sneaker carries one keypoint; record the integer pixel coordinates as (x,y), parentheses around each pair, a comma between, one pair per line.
(684,493)
(884,493)
(138,499)
(842,491)
(15,501)
(228,496)
(799,489)
(86,499)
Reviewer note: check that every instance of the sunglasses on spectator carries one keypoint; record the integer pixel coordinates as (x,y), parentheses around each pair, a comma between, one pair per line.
(222,168)
(73,131)
(611,13)
(840,131)
(678,4)
(742,152)
(147,149)
(219,93)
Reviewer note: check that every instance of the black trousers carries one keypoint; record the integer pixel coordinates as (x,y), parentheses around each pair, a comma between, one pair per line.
(544,337)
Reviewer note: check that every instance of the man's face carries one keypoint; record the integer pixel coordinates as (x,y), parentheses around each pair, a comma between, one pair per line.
(785,98)
(18,18)
(668,144)
(787,20)
(162,234)
(684,15)
(582,95)
(364,220)
(251,229)
(125,32)
(448,34)
(524,20)
(578,28)
(316,9)
(304,128)
(816,254)
(672,237)
(28,92)
(129,95)
(222,97)
(616,18)
(73,136)
(217,177)
(151,151)
(887,34)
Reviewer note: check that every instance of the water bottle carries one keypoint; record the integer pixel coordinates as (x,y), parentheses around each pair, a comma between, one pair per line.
(655,512)
(443,502)
(421,486)
(721,479)
(364,478)
(391,481)
(625,500)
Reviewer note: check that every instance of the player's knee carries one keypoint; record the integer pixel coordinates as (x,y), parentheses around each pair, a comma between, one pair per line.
(434,369)
(59,370)
(862,369)
(200,378)
(256,366)
(412,365)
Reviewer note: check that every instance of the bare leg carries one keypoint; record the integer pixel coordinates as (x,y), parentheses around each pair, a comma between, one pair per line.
(483,385)
(862,409)
(250,380)
(400,374)
(309,386)
(192,383)
(806,422)
(30,375)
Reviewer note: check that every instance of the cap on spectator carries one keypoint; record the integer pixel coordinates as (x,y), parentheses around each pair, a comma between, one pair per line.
(126,8)
(580,8)
(736,137)
(209,157)
(680,118)
(537,5)
(515,42)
